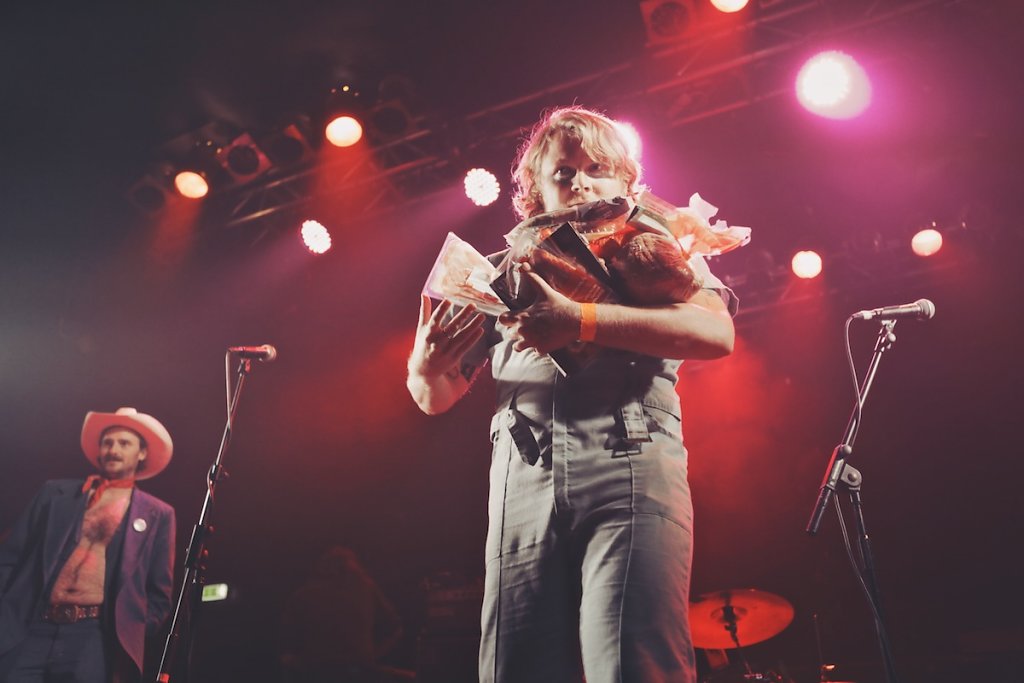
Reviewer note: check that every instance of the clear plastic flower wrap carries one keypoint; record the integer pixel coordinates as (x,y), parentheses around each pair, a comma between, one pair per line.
(463,276)
(690,225)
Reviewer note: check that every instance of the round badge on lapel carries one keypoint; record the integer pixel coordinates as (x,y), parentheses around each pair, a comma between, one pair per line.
(139,524)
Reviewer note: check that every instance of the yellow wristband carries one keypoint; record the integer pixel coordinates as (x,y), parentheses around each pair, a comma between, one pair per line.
(588,322)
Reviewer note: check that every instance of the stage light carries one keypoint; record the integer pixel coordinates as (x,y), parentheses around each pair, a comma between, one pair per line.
(345,114)
(634,145)
(926,242)
(390,120)
(243,159)
(481,186)
(806,264)
(286,149)
(667,20)
(191,184)
(391,117)
(288,146)
(316,237)
(729,5)
(344,131)
(155,191)
(832,84)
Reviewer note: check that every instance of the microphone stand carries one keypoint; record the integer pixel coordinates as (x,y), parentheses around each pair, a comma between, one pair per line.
(195,556)
(839,471)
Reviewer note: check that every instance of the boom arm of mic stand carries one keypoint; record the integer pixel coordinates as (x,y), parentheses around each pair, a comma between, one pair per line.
(841,471)
(195,556)
(838,469)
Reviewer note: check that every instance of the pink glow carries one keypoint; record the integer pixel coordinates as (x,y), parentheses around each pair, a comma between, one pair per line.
(832,84)
(631,137)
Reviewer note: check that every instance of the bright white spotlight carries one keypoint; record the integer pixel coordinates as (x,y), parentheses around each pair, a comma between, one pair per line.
(926,242)
(344,131)
(729,5)
(806,264)
(190,184)
(832,84)
(481,186)
(632,138)
(315,237)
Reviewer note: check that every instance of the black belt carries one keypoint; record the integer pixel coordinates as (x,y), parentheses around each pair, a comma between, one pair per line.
(64,613)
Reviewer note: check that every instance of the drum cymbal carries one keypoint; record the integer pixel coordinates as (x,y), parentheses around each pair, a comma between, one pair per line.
(757,615)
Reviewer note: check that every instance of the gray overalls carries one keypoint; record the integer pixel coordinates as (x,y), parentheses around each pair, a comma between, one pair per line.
(589,541)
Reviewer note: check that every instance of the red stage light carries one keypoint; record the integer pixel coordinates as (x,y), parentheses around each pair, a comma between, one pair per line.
(729,5)
(344,131)
(926,242)
(316,237)
(190,184)
(481,186)
(806,264)
(832,84)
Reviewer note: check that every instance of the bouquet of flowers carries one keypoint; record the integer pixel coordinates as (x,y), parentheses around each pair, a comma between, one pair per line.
(616,250)
(463,276)
(644,248)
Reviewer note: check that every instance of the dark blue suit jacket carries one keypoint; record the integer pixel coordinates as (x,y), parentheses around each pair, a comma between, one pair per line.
(139,598)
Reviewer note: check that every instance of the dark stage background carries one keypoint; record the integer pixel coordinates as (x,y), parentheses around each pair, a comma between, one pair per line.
(101,306)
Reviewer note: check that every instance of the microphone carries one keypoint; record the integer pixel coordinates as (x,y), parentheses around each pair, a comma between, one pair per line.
(922,309)
(265,353)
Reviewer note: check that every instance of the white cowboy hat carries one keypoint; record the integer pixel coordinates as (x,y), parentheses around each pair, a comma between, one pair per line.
(158,441)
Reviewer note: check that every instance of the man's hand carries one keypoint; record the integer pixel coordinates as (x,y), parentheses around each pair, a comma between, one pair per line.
(551,322)
(440,345)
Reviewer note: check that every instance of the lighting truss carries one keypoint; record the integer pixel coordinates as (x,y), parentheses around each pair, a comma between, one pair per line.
(848,270)
(680,83)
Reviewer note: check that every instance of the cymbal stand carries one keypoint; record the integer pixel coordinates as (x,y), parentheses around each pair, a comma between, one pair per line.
(729,614)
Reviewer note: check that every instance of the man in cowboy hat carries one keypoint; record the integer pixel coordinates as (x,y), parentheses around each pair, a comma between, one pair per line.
(86,573)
